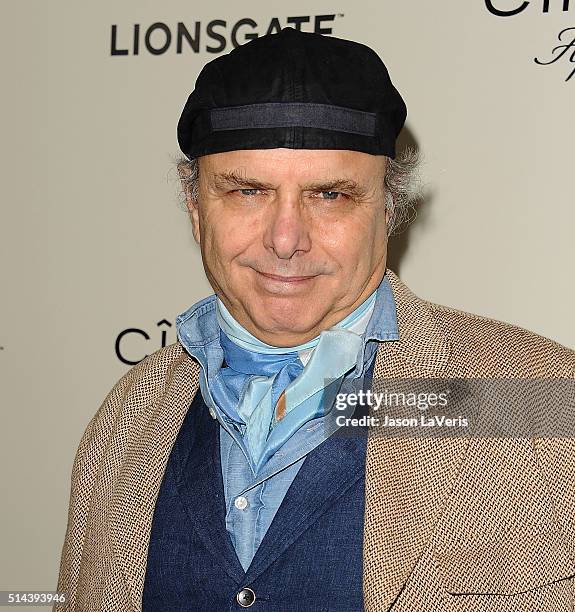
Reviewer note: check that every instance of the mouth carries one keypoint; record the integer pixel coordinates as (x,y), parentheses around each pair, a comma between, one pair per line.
(286,279)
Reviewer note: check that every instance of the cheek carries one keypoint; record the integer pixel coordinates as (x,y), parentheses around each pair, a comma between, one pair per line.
(225,236)
(354,243)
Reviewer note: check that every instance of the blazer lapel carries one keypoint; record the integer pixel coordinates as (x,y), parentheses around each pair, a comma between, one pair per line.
(141,472)
(408,476)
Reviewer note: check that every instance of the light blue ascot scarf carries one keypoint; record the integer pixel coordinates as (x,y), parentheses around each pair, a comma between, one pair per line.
(255,374)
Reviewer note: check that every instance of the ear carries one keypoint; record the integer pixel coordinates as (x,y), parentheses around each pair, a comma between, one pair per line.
(387,195)
(194,212)
(389,204)
(192,203)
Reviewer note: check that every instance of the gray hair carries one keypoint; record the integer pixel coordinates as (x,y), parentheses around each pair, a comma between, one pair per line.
(402,186)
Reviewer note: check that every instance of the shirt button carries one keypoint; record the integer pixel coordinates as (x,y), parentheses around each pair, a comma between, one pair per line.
(246,597)
(241,503)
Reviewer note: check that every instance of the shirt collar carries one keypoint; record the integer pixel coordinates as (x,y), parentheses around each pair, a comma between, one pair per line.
(382,325)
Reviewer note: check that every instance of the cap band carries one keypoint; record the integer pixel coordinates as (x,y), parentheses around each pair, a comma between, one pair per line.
(288,114)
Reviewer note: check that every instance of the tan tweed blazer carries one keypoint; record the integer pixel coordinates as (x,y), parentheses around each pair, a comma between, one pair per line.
(451,524)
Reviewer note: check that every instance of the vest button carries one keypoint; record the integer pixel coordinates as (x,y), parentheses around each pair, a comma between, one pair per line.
(246,597)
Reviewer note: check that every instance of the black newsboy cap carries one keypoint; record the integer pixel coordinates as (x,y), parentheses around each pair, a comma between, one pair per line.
(297,90)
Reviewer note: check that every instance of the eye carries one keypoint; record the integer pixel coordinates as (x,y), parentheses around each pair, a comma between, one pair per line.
(332,195)
(248,192)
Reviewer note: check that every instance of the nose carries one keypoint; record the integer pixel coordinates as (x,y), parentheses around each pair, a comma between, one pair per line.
(287,231)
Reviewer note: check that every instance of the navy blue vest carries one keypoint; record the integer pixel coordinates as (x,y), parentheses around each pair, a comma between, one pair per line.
(310,559)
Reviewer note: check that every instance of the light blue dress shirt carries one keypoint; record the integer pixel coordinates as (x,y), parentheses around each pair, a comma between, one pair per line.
(252,499)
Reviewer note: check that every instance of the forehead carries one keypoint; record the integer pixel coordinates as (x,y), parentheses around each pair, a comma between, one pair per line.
(277,165)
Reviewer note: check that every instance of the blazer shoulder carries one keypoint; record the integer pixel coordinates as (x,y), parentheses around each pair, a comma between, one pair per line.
(502,349)
(158,365)
(141,385)
(148,379)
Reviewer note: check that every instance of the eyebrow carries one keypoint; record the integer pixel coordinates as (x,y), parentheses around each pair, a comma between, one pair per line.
(221,180)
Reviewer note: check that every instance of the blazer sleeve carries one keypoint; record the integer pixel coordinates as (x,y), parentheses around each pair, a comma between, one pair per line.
(84,472)
(555,452)
(556,458)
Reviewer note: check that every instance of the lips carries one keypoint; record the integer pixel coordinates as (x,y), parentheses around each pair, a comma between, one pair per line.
(286,279)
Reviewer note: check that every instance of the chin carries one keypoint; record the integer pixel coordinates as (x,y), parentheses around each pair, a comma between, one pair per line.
(282,319)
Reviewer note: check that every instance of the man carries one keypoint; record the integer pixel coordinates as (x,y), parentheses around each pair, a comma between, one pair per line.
(215,476)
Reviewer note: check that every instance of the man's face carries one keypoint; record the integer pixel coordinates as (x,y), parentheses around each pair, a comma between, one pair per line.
(292,240)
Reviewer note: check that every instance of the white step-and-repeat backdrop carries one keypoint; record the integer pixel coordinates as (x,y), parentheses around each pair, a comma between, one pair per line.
(97,253)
